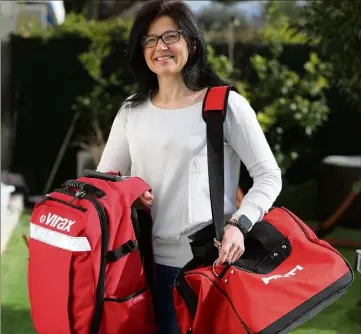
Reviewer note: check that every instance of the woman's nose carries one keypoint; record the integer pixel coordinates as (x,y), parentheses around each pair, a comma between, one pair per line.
(161,45)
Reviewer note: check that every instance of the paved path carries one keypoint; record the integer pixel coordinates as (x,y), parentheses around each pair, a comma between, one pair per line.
(8,224)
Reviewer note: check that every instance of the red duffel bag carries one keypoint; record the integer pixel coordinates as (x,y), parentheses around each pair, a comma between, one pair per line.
(284,278)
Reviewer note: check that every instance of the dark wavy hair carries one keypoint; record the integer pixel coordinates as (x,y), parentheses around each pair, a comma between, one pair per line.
(197,73)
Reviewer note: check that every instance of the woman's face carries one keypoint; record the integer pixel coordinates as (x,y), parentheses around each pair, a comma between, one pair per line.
(165,56)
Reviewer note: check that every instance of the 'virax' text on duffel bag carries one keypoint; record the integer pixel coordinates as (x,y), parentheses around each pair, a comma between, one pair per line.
(285,276)
(91,265)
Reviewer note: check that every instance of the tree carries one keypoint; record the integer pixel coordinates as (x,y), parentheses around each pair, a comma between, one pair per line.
(279,18)
(290,106)
(230,2)
(100,10)
(272,15)
(291,9)
(335,27)
(217,18)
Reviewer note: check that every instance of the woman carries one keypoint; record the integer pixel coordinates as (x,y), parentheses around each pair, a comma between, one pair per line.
(160,133)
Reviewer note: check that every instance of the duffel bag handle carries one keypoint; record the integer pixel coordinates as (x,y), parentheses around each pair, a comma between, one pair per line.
(85,187)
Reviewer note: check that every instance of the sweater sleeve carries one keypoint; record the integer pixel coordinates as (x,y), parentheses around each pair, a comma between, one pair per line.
(244,134)
(116,156)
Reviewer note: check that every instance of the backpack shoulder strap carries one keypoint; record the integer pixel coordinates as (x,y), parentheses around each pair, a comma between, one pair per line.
(214,111)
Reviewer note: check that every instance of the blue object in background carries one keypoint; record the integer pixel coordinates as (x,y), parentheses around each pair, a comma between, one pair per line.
(56,12)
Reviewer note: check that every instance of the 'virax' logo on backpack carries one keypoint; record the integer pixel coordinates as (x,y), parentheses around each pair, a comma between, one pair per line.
(56,221)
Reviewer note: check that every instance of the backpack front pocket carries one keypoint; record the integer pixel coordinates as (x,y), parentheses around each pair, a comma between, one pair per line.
(59,269)
(129,315)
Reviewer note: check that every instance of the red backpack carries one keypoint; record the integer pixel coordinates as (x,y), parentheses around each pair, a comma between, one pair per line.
(284,278)
(90,258)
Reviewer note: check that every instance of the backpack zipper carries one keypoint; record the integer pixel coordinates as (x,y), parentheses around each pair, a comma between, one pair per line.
(48,197)
(104,249)
(104,226)
(125,299)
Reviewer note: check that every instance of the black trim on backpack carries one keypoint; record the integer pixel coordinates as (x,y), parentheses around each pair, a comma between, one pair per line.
(142,224)
(84,187)
(99,301)
(48,197)
(127,248)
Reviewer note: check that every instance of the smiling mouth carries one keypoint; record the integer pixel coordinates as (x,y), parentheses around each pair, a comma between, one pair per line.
(164,58)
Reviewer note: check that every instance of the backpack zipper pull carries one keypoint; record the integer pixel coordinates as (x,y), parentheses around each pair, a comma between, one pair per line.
(45,197)
(78,194)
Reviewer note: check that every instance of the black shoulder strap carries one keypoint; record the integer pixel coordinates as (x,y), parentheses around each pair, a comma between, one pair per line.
(214,113)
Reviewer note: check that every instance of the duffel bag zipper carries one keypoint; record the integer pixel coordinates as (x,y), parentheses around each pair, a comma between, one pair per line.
(228,298)
(304,315)
(308,238)
(305,233)
(334,296)
(104,248)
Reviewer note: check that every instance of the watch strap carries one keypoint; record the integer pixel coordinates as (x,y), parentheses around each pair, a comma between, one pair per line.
(243,223)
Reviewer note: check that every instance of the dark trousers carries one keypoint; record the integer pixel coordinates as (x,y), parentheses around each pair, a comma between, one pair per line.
(165,312)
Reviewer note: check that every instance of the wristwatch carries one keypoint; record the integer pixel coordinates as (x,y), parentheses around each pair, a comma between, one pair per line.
(243,223)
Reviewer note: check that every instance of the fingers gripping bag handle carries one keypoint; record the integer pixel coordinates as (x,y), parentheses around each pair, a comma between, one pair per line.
(134,187)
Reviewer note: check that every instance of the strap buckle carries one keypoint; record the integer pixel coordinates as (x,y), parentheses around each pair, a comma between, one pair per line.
(126,248)
(132,245)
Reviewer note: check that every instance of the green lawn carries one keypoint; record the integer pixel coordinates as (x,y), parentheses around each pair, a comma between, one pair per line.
(342,317)
(15,316)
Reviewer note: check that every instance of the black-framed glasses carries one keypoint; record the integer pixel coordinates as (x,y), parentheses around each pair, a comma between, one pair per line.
(168,37)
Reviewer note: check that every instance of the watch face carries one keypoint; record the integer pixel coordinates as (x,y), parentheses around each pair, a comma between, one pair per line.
(245,223)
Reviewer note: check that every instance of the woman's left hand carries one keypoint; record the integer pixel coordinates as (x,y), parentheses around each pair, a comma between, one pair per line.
(232,246)
(147,199)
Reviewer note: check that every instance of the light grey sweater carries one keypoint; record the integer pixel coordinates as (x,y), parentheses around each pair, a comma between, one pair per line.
(167,148)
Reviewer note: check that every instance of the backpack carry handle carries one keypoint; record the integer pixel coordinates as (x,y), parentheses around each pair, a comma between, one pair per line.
(133,188)
(85,187)
(112,177)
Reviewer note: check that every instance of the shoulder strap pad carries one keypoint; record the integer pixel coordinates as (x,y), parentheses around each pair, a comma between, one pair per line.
(214,112)
(216,99)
